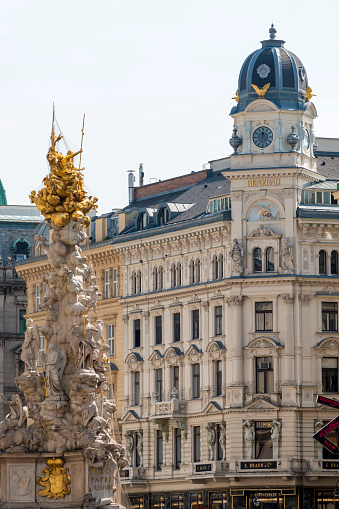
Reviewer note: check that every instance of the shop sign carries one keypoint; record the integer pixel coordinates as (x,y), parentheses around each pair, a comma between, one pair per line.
(257,465)
(331,465)
(207,467)
(320,435)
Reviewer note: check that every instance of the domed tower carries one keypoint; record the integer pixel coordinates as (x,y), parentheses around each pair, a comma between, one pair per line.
(273,118)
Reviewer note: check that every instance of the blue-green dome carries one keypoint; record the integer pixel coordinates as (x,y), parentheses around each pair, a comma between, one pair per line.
(3,199)
(273,64)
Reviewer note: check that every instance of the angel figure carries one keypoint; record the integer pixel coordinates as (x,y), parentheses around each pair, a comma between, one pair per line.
(30,347)
(17,416)
(54,363)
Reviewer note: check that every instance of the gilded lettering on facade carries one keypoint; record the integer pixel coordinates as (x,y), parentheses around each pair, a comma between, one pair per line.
(263,182)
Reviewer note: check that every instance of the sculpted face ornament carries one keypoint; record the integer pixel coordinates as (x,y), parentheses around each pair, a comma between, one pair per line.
(56,479)
(263,71)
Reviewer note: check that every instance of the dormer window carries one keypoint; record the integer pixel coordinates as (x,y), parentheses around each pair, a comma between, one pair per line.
(218,204)
(142,221)
(163,216)
(318,197)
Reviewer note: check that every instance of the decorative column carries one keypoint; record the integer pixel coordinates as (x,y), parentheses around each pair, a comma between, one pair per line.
(235,391)
(289,389)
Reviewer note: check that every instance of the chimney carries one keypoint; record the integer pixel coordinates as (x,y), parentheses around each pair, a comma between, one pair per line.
(141,175)
(131,180)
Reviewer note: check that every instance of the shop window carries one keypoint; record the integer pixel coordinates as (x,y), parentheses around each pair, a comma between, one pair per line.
(218,320)
(110,338)
(218,500)
(322,262)
(218,378)
(196,381)
(159,449)
(263,442)
(136,376)
(264,375)
(137,502)
(22,321)
(329,312)
(158,330)
(257,260)
(195,324)
(334,262)
(196,444)
(177,448)
(196,501)
(107,284)
(268,499)
(137,338)
(326,500)
(329,374)
(158,383)
(177,501)
(176,327)
(263,316)
(158,502)
(269,259)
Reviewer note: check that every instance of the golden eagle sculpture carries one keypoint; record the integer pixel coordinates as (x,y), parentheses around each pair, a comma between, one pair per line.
(309,94)
(236,98)
(261,91)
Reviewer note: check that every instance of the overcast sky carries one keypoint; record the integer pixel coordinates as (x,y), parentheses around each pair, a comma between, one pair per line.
(154,77)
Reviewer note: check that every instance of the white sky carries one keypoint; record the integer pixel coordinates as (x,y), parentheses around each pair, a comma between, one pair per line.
(154,77)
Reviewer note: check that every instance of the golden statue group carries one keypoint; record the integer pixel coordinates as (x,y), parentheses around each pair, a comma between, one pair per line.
(70,416)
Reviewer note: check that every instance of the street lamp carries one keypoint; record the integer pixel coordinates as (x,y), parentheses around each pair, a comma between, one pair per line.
(336,490)
(256,501)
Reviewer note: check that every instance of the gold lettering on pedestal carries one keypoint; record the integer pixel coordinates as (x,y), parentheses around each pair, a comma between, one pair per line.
(263,182)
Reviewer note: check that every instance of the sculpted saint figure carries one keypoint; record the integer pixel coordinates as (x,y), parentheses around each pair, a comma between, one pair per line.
(17,415)
(54,363)
(30,347)
(287,259)
(236,254)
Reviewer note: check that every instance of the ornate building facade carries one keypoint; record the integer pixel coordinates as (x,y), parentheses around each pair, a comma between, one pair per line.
(230,304)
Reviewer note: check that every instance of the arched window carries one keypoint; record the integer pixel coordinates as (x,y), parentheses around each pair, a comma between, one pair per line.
(178,274)
(322,262)
(155,278)
(270,259)
(138,282)
(142,221)
(197,271)
(215,268)
(173,276)
(334,262)
(133,283)
(257,260)
(21,249)
(163,216)
(221,266)
(160,278)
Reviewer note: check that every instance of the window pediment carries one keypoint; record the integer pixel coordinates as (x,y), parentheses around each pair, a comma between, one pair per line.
(263,342)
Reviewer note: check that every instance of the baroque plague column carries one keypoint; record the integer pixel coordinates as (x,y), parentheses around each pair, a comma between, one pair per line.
(67,451)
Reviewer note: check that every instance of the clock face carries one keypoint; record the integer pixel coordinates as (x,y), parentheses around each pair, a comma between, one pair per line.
(262,137)
(306,139)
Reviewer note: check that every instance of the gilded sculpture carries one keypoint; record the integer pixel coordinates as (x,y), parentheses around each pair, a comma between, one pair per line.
(261,91)
(63,196)
(236,98)
(309,94)
(56,479)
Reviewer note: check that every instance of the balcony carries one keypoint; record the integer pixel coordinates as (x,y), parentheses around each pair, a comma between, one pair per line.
(172,408)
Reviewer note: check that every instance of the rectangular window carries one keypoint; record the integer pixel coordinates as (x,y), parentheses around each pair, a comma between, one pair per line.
(37,297)
(137,388)
(263,316)
(158,330)
(41,350)
(264,375)
(115,282)
(218,320)
(136,325)
(195,324)
(218,378)
(196,444)
(159,449)
(22,321)
(218,500)
(329,316)
(158,502)
(137,502)
(263,441)
(329,374)
(176,377)
(196,381)
(107,286)
(158,383)
(177,501)
(176,327)
(177,447)
(110,338)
